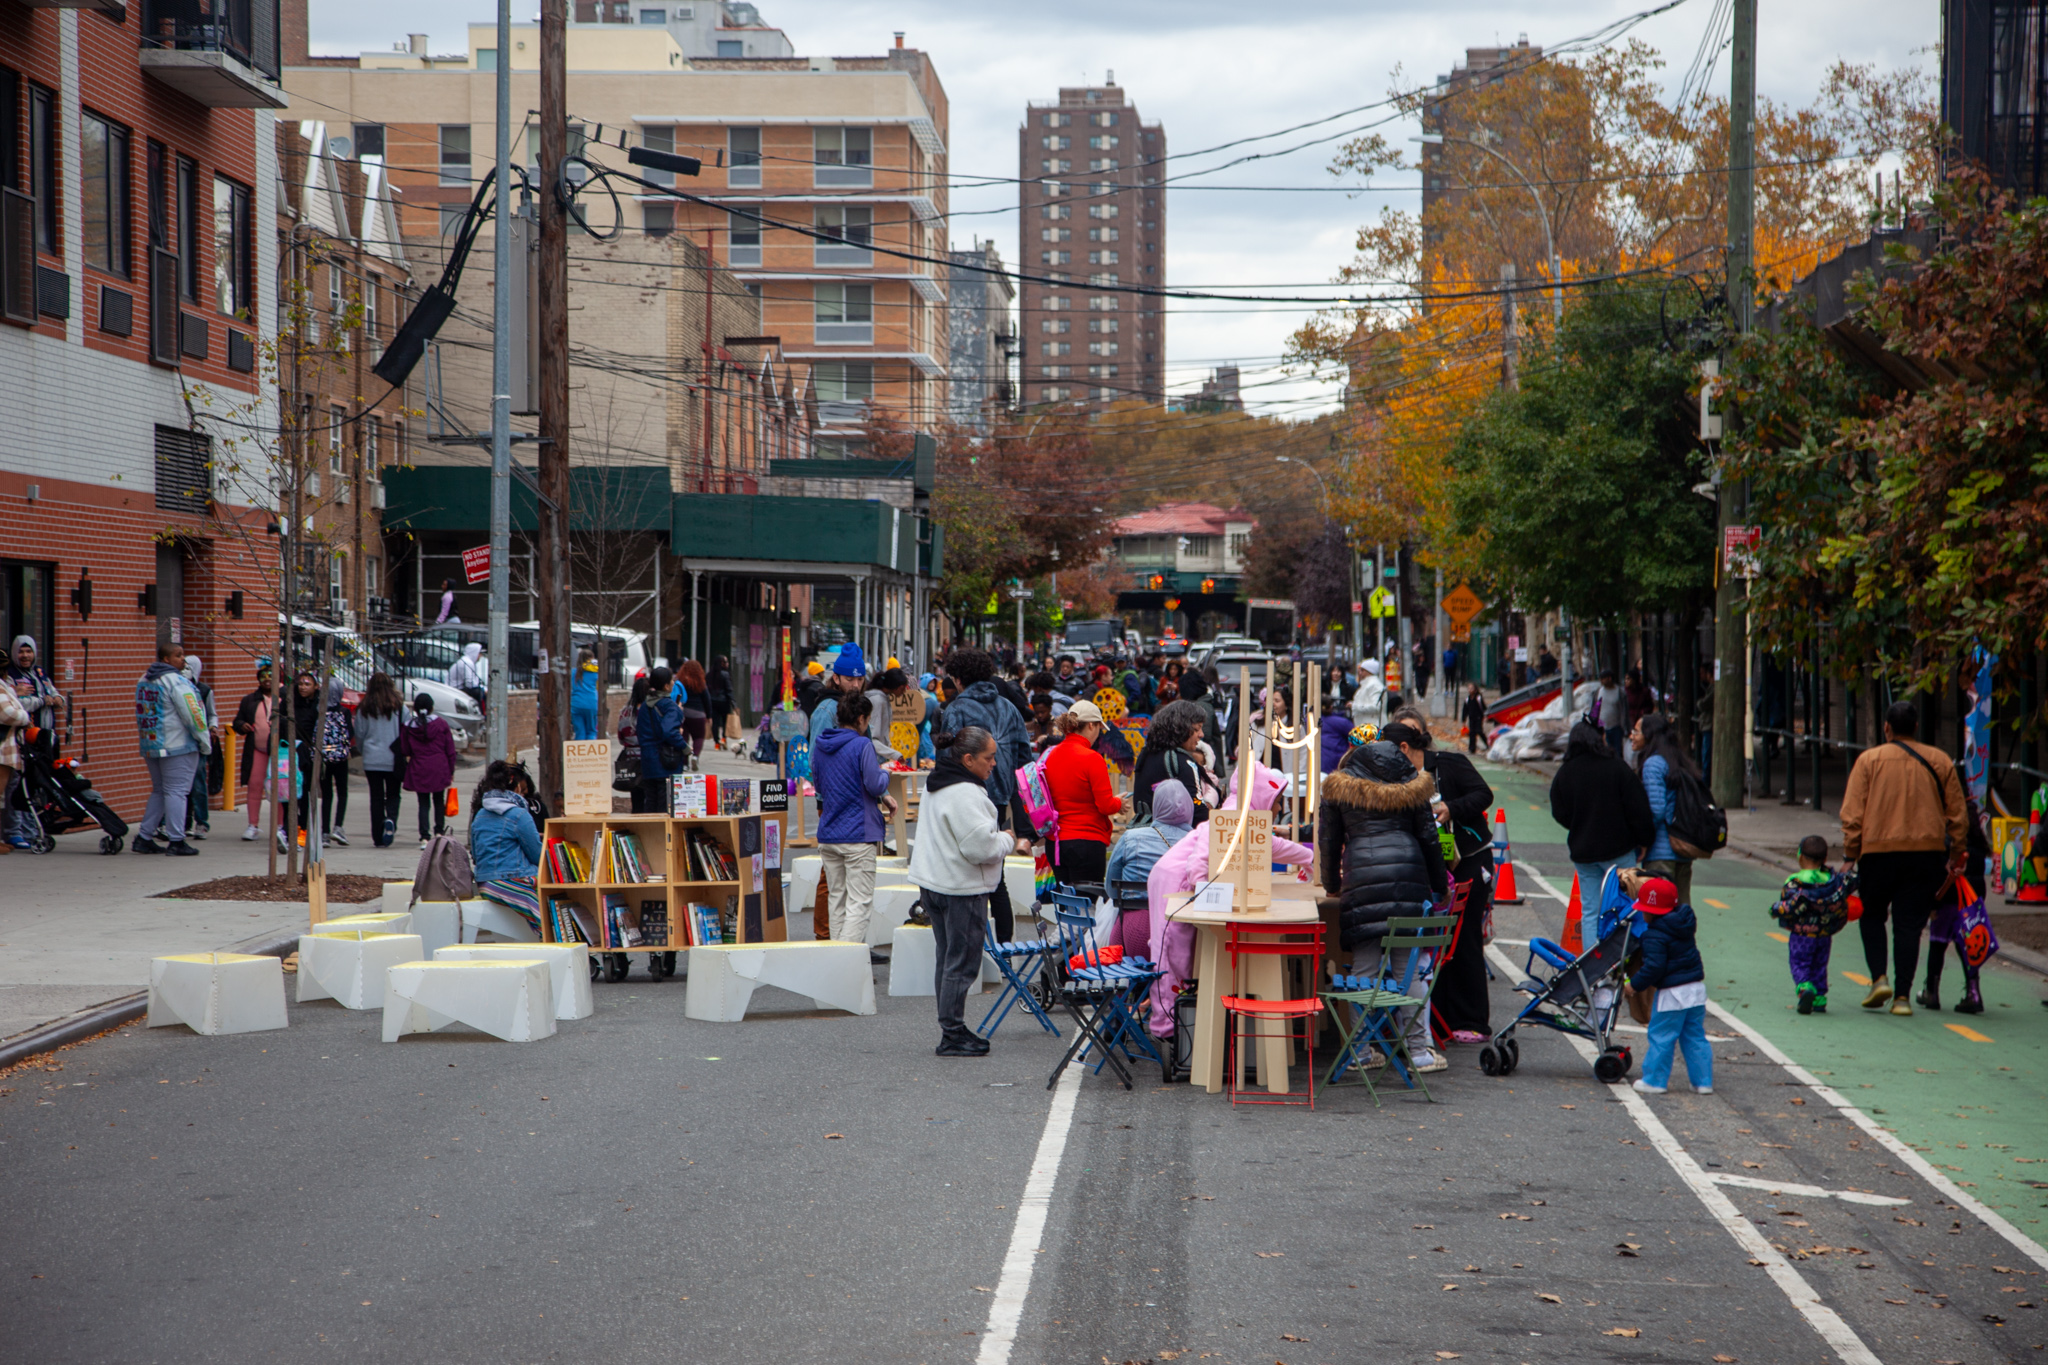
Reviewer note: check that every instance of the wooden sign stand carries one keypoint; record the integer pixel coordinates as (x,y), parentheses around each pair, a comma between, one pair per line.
(316,893)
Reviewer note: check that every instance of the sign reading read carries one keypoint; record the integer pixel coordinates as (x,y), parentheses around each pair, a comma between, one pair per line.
(587,777)
(476,563)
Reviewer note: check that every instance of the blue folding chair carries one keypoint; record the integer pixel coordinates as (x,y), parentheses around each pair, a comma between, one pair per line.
(1101,996)
(1022,965)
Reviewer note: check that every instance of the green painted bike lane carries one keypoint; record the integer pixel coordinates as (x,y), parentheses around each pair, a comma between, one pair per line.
(1969,1092)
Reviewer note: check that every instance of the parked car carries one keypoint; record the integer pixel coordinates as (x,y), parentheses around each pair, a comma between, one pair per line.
(355,659)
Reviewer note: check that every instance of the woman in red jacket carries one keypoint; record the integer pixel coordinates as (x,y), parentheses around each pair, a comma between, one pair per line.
(1077,779)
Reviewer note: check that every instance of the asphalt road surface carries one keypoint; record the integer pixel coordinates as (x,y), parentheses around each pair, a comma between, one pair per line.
(817,1187)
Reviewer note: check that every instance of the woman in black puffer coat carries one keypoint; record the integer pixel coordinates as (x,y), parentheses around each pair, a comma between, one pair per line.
(1377,843)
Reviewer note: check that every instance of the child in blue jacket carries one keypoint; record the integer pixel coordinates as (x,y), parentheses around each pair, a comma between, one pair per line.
(1671,966)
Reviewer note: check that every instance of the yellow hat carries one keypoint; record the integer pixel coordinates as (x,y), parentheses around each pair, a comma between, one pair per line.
(814,668)
(892,663)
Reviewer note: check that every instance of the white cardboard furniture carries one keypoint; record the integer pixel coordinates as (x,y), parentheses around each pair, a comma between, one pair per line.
(508,998)
(722,978)
(438,923)
(568,969)
(482,916)
(1018,878)
(217,992)
(893,899)
(397,896)
(374,921)
(914,961)
(804,871)
(348,965)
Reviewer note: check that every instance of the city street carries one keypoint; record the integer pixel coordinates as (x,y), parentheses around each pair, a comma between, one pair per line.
(815,1186)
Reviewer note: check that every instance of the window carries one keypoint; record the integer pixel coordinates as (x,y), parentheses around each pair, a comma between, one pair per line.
(1102,142)
(845,381)
(1055,395)
(487,59)
(334,295)
(42,165)
(188,229)
(370,291)
(851,228)
(1058,302)
(844,156)
(658,220)
(1102,348)
(398,443)
(1056,211)
(658,140)
(372,429)
(743,157)
(1055,166)
(845,314)
(1056,348)
(1055,325)
(184,470)
(1102,258)
(1103,234)
(233,261)
(1102,210)
(369,139)
(337,423)
(1054,189)
(654,16)
(105,194)
(455,153)
(1104,120)
(744,234)
(1102,303)
(1056,257)
(10,129)
(1102,324)
(731,47)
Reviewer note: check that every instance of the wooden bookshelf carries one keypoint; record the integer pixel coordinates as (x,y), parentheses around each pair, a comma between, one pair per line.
(749,909)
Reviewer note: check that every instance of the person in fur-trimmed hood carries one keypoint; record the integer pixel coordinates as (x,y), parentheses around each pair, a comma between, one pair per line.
(1376,842)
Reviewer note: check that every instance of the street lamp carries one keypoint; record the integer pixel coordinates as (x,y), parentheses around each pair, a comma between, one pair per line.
(1304,464)
(1556,275)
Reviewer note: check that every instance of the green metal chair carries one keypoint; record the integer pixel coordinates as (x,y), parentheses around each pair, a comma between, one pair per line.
(1378,996)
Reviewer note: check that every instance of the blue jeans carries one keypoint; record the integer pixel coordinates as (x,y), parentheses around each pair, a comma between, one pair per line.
(1593,876)
(1676,1029)
(583,722)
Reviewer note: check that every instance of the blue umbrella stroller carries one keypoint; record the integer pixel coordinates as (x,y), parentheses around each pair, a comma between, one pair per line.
(1582,995)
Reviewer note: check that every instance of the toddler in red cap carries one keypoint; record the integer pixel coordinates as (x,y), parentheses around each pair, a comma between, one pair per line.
(1670,965)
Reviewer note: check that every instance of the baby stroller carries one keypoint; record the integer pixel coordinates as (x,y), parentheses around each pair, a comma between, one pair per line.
(54,797)
(1580,996)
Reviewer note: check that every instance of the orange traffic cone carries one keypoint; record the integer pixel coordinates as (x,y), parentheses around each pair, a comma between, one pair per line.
(1504,889)
(1574,911)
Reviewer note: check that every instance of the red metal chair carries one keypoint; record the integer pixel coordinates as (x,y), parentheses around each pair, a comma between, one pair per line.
(1298,1017)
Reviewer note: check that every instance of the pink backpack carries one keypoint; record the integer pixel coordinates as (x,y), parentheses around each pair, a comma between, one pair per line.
(1036,795)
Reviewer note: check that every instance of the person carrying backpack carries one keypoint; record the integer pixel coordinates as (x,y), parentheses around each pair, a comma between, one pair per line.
(1664,765)
(664,746)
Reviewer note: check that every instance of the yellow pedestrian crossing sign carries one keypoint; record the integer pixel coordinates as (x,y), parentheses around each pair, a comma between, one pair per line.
(1380,603)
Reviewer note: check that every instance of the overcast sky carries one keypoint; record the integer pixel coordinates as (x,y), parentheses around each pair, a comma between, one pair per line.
(1212,72)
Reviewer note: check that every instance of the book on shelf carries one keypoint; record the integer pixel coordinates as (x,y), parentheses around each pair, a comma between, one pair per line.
(693,794)
(704,925)
(564,862)
(623,860)
(709,861)
(564,922)
(654,924)
(621,922)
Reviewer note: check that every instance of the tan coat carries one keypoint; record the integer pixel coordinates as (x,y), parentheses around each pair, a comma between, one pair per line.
(1892,806)
(13,715)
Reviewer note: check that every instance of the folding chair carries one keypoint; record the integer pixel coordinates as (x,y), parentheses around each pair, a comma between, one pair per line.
(1099,995)
(1023,966)
(1258,940)
(1380,995)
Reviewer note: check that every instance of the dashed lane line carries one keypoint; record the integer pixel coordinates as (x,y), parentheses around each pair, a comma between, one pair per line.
(1967,1032)
(1825,1321)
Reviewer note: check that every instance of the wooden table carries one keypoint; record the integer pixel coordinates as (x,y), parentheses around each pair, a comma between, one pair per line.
(901,785)
(1262,978)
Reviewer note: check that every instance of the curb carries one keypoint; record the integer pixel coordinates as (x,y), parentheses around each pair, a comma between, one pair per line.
(98,1018)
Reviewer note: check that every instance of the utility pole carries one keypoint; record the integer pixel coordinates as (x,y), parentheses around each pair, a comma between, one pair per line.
(555,600)
(1510,336)
(502,266)
(1731,653)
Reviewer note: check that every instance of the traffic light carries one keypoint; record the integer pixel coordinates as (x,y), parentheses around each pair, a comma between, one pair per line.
(1158,581)
(1208,585)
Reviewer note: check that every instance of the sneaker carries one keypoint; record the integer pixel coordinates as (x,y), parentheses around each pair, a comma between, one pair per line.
(252,834)
(425,842)
(1880,991)
(1820,1004)
(1645,1088)
(1427,1060)
(1902,1007)
(198,832)
(142,845)
(1928,999)
(1466,1037)
(302,838)
(962,1047)
(284,845)
(19,841)
(1806,1000)
(337,837)
(1703,1090)
(178,848)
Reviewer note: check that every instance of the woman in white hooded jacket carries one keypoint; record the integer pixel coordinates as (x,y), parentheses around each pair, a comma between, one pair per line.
(956,861)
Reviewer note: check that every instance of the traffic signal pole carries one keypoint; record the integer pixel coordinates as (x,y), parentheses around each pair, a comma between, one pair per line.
(1731,653)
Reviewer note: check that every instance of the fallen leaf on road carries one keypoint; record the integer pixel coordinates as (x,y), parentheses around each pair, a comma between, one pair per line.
(1567,1106)
(366,1303)
(1900,1302)
(1422,1227)
(983,1289)
(1536,1202)
(1622,1332)
(1754,1261)
(1289,1336)
(1449,1287)
(834,1137)
(1446,1355)
(1268,1255)
(1627,1248)
(1550,1298)
(1724,1360)
(2003,1269)
(1754,1165)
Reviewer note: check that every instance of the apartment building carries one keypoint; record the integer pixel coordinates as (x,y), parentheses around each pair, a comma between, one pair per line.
(137,186)
(849,150)
(343,287)
(981,338)
(700,30)
(1092,218)
(1442,114)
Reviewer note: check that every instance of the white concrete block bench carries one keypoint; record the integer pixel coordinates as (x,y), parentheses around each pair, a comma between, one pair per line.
(348,965)
(508,998)
(568,969)
(722,978)
(375,922)
(439,923)
(217,992)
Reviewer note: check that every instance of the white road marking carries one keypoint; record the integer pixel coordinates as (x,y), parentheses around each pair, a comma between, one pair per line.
(1542,882)
(2026,1245)
(1824,1320)
(1015,1285)
(1750,1182)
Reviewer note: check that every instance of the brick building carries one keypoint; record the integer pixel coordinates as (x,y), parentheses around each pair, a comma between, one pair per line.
(137,185)
(981,333)
(1093,217)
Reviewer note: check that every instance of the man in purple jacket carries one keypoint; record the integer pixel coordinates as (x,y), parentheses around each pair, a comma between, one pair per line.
(852,799)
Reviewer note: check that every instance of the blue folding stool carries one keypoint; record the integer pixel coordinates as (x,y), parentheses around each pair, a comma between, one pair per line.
(1108,991)
(1022,965)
